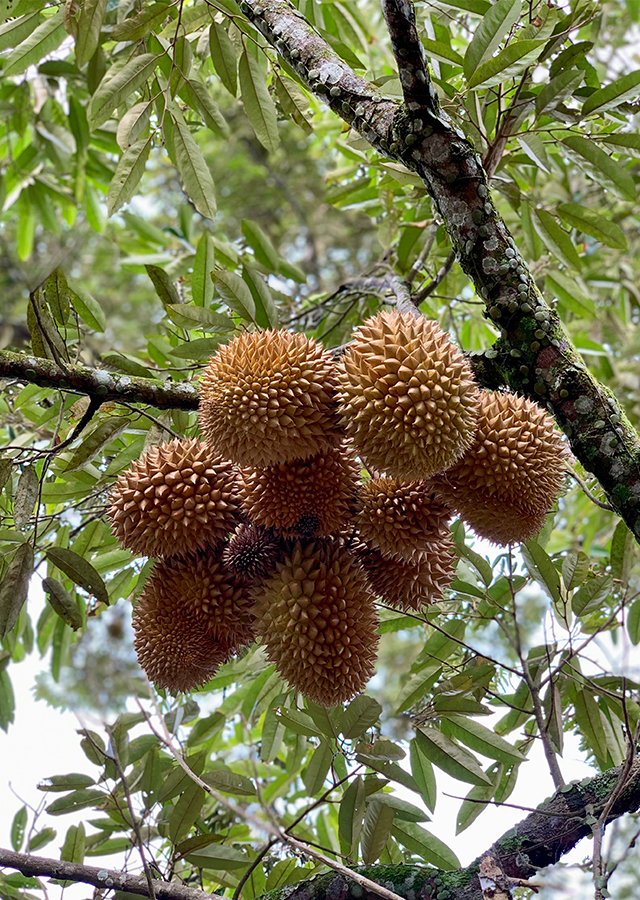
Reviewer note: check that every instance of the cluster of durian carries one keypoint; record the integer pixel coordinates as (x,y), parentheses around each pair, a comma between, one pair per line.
(267,528)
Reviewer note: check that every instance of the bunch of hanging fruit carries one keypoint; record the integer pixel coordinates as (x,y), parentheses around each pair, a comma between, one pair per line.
(319,490)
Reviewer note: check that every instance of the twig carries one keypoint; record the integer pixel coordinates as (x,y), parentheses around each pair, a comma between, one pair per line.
(586,490)
(442,273)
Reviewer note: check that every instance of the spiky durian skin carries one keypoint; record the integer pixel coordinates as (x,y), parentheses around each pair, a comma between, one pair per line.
(401,519)
(511,476)
(324,486)
(410,585)
(173,646)
(268,397)
(318,622)
(252,552)
(208,591)
(176,499)
(408,396)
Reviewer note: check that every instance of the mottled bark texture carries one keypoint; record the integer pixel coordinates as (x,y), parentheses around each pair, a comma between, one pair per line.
(539,840)
(98,383)
(534,354)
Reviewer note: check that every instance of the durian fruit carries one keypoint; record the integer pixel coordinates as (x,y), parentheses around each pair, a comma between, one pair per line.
(401,519)
(510,478)
(408,396)
(252,552)
(318,622)
(173,646)
(309,497)
(208,591)
(409,586)
(268,397)
(176,499)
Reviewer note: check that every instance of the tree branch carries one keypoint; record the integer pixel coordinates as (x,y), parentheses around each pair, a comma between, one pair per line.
(98,384)
(534,355)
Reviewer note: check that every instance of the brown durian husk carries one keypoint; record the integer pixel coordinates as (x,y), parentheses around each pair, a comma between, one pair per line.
(511,477)
(208,591)
(268,397)
(410,586)
(314,496)
(176,499)
(408,396)
(400,518)
(318,622)
(173,646)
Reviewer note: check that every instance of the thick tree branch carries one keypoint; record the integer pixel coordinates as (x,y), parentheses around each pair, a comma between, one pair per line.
(105,879)
(100,385)
(534,354)
(539,840)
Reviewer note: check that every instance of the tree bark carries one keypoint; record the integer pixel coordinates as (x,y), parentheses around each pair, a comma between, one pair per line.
(539,840)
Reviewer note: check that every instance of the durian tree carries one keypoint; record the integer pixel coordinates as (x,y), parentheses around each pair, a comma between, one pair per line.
(301,302)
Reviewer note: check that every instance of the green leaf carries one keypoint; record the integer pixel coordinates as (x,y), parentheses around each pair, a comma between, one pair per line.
(590,596)
(15,587)
(229,782)
(235,293)
(62,603)
(403,810)
(198,317)
(164,285)
(611,96)
(624,142)
(261,244)
(88,308)
(25,497)
(258,105)
(80,572)
(142,23)
(509,62)
(422,771)
(198,97)
(133,124)
(62,783)
(558,89)
(223,56)
(376,829)
(417,686)
(17,29)
(575,567)
(351,813)
(41,839)
(569,294)
(111,92)
(294,101)
(298,722)
(44,40)
(202,348)
(74,844)
(542,569)
(128,173)
(316,771)
(380,749)
(633,622)
(18,827)
(76,801)
(606,171)
(425,845)
(483,740)
(479,563)
(556,239)
(89,24)
(194,172)
(623,547)
(186,811)
(442,52)
(361,714)
(589,720)
(203,265)
(56,293)
(272,735)
(534,148)
(495,24)
(475,801)
(266,311)
(590,222)
(92,445)
(448,756)
(218,857)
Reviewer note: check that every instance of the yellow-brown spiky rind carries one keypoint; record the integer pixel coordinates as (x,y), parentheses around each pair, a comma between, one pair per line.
(408,396)
(405,585)
(176,499)
(208,591)
(173,646)
(401,519)
(510,478)
(318,622)
(252,553)
(321,490)
(269,397)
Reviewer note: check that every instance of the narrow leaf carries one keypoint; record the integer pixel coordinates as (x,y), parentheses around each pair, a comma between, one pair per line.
(360,714)
(605,170)
(318,768)
(223,56)
(426,845)
(558,89)
(623,548)
(80,572)
(62,603)
(448,756)
(266,311)
(112,91)
(15,587)
(199,98)
(203,265)
(422,771)
(18,828)
(611,96)
(164,286)
(88,308)
(198,317)
(44,40)
(128,174)
(258,105)
(132,125)
(590,222)
(483,740)
(509,62)
(376,829)
(89,25)
(26,495)
(556,240)
(194,172)
(351,812)
(495,24)
(235,293)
